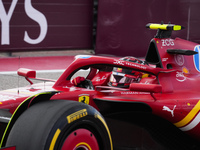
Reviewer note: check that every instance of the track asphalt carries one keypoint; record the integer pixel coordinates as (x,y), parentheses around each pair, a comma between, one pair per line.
(49,65)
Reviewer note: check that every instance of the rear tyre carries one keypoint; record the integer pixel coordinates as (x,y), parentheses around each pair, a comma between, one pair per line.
(60,125)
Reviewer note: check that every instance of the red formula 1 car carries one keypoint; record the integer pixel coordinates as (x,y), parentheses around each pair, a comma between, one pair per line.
(116,103)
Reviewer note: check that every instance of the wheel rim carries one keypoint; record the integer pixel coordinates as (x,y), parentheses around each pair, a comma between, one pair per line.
(80,139)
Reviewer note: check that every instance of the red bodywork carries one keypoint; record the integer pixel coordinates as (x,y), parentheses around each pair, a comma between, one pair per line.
(170,91)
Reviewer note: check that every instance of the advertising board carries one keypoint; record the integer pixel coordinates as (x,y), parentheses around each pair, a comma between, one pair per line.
(45,24)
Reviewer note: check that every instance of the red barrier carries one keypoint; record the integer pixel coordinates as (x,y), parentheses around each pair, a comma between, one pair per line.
(48,24)
(59,24)
(121,24)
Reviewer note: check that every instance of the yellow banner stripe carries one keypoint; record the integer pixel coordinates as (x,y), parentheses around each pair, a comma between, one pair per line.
(189,117)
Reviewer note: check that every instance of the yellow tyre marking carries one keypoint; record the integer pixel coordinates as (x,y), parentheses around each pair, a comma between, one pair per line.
(55,137)
(102,120)
(85,144)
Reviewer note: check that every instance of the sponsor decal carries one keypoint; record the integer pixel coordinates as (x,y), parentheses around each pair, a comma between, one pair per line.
(180,76)
(179,59)
(165,108)
(101,78)
(191,120)
(133,93)
(185,70)
(196,58)
(135,65)
(167,42)
(77,115)
(164,59)
(84,98)
(118,62)
(121,62)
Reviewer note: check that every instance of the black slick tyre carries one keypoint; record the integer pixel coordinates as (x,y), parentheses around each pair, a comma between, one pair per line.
(60,125)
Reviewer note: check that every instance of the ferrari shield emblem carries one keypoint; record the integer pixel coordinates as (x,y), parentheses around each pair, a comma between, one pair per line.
(84,99)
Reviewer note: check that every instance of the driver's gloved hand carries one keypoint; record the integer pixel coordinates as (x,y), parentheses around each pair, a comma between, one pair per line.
(82,82)
(78,80)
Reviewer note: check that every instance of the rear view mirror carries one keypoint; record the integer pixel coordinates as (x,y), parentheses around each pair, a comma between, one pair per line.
(152,88)
(28,73)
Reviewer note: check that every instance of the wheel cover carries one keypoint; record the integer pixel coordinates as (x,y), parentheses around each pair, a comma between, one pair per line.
(80,139)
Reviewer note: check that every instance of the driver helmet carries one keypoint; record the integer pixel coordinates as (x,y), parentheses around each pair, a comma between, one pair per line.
(121,77)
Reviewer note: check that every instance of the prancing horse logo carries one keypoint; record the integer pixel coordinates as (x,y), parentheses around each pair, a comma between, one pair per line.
(84,98)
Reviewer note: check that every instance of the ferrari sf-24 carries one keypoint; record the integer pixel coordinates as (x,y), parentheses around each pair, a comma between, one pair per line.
(106,103)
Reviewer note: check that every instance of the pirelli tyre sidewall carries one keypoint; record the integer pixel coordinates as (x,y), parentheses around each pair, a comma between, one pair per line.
(79,117)
(71,124)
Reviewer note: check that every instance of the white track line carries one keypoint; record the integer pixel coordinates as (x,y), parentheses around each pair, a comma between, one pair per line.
(37,71)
